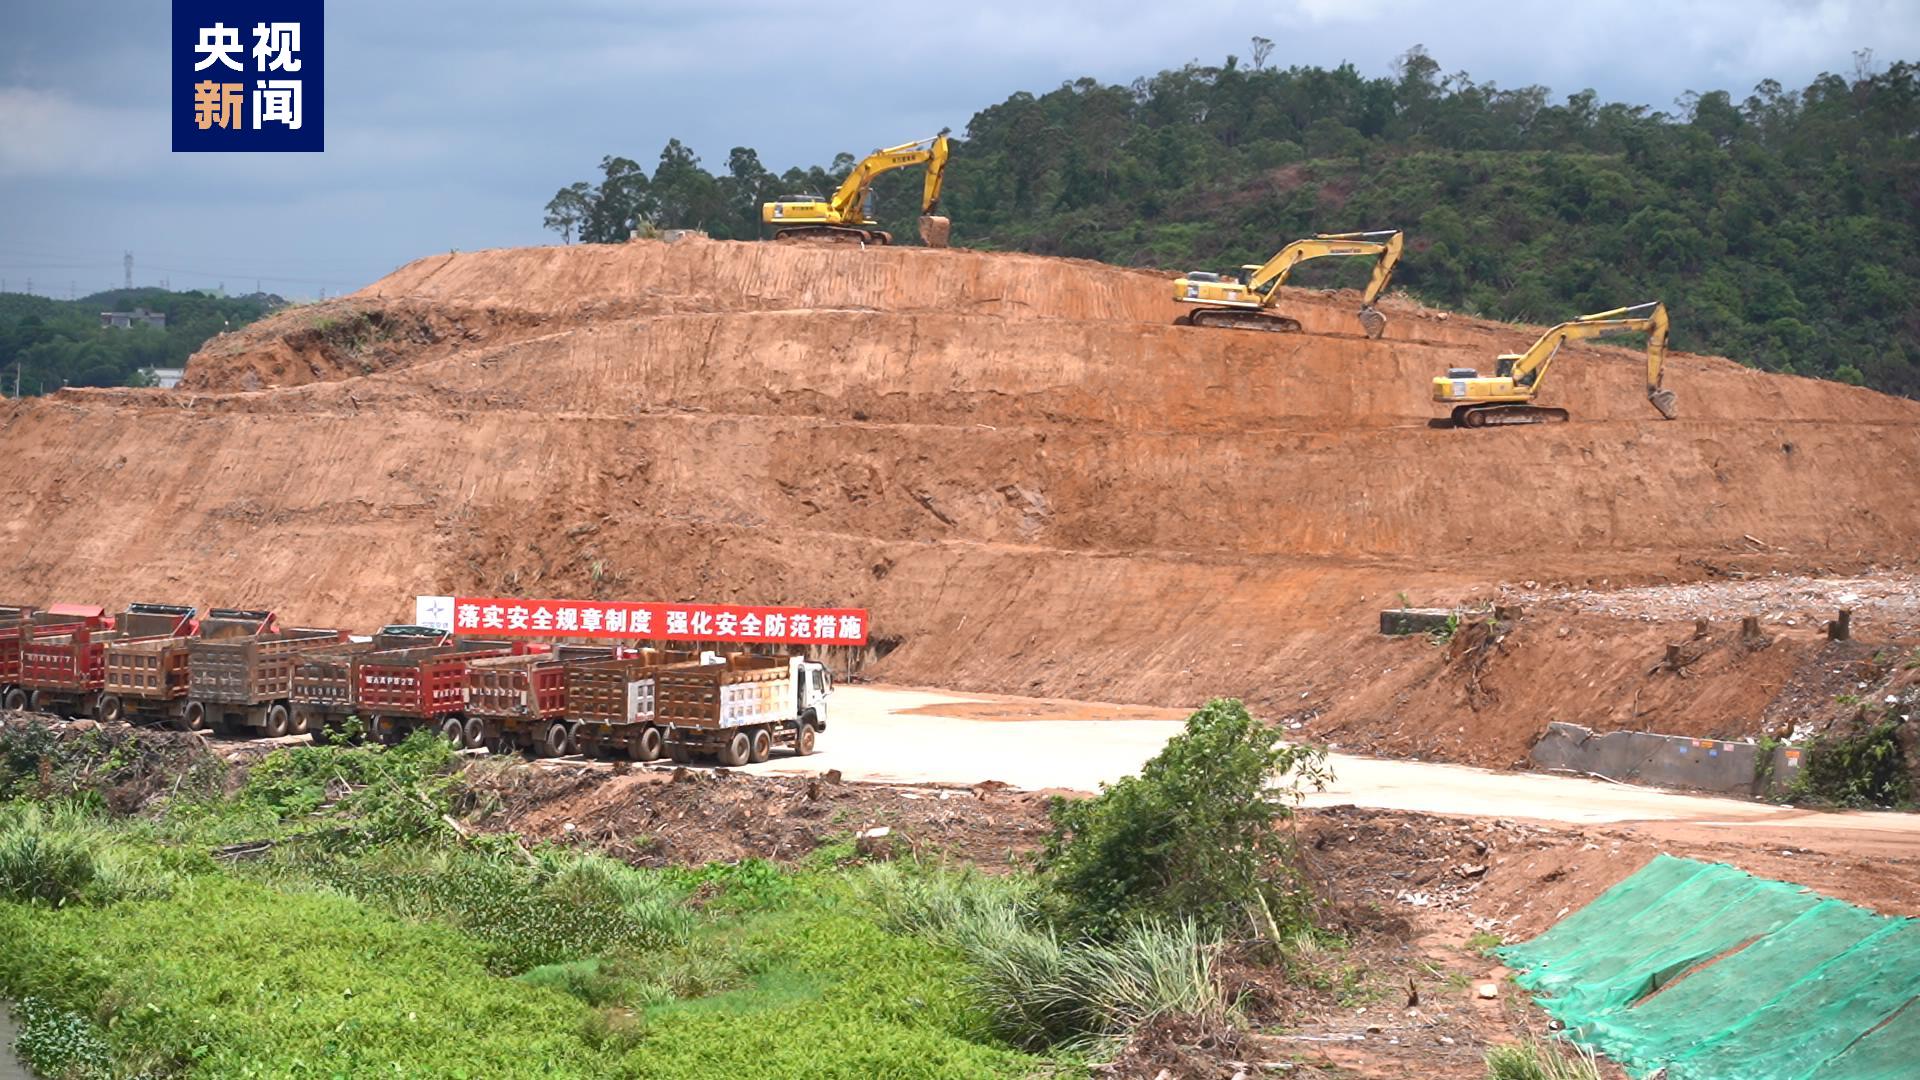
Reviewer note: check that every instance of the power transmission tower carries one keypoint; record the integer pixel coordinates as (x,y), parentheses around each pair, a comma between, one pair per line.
(128,262)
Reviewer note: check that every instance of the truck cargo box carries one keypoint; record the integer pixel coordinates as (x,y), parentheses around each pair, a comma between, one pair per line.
(405,689)
(147,679)
(611,704)
(65,672)
(321,687)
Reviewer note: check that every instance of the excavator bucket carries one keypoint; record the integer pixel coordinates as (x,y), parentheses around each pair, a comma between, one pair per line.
(1372,322)
(1664,401)
(934,230)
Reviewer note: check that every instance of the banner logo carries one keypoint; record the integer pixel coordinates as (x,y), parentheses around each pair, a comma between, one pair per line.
(247,76)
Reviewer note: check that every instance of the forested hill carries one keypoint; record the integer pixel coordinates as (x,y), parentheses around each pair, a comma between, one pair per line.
(1779,226)
(49,343)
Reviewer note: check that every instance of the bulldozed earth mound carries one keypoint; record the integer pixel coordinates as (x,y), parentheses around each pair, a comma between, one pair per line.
(1034,480)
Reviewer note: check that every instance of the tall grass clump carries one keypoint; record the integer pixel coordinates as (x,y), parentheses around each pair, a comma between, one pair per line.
(62,855)
(1535,1060)
(1037,988)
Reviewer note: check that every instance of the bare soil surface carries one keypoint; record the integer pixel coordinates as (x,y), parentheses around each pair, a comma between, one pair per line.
(1034,481)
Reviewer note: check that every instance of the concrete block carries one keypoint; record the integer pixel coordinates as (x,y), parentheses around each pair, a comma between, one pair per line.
(1676,761)
(1416,620)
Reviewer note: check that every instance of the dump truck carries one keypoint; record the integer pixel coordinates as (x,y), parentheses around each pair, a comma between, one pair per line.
(612,705)
(20,621)
(147,680)
(401,691)
(739,710)
(64,673)
(321,690)
(245,681)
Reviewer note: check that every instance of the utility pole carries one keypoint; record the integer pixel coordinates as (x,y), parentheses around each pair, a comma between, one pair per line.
(29,286)
(128,262)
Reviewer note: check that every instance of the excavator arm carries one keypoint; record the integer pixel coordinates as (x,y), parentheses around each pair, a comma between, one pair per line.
(1649,318)
(849,201)
(1507,396)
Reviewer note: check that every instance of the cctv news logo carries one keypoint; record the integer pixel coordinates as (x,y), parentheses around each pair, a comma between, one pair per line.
(247,76)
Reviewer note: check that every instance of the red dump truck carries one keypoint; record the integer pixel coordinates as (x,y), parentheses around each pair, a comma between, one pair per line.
(399,692)
(610,704)
(20,621)
(521,702)
(321,691)
(739,710)
(244,682)
(147,679)
(65,672)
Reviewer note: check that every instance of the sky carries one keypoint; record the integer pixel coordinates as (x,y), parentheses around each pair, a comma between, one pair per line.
(449,125)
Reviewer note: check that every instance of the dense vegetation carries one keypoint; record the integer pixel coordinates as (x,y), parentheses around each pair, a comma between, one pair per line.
(55,343)
(1778,226)
(330,915)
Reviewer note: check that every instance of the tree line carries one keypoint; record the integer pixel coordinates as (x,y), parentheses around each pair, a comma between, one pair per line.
(1778,226)
(46,344)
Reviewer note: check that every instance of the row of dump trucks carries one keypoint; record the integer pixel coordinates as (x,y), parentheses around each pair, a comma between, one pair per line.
(238,671)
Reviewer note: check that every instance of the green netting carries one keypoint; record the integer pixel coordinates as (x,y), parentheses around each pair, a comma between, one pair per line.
(1610,909)
(1717,975)
(1662,1027)
(1891,1052)
(1818,1018)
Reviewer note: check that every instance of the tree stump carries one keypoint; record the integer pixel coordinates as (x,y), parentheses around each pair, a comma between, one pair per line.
(1841,628)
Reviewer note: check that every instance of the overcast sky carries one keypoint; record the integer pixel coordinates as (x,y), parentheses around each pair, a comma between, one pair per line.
(449,125)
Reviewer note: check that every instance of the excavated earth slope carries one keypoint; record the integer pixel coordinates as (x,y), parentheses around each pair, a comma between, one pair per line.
(1033,479)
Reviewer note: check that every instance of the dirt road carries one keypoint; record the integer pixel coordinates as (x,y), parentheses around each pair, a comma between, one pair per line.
(900,735)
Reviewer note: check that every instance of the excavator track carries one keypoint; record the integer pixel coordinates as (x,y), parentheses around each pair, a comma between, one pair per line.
(1233,319)
(1479,416)
(833,234)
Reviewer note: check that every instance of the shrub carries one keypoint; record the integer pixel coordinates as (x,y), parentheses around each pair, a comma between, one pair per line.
(1192,836)
(1863,770)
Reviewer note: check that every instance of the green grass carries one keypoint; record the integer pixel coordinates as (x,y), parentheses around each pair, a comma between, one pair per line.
(230,977)
(370,940)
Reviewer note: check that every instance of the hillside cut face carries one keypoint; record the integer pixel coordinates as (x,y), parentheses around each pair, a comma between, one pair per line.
(1034,480)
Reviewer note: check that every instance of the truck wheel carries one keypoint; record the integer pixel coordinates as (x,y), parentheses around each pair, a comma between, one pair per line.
(803,742)
(16,699)
(762,744)
(110,709)
(279,725)
(647,746)
(37,701)
(195,716)
(557,742)
(302,722)
(476,732)
(680,754)
(454,732)
(737,750)
(318,730)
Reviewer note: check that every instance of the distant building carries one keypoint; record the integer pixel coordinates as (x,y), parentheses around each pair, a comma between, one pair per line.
(166,378)
(137,317)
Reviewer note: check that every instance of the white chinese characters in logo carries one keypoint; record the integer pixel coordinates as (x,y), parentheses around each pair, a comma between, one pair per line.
(274,46)
(277,101)
(218,43)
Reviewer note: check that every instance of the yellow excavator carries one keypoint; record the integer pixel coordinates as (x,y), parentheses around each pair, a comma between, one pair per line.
(1506,396)
(1242,299)
(846,217)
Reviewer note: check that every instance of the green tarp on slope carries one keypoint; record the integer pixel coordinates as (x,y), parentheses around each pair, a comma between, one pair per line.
(1718,975)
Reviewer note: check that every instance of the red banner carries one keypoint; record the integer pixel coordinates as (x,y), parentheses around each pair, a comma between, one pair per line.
(497,617)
